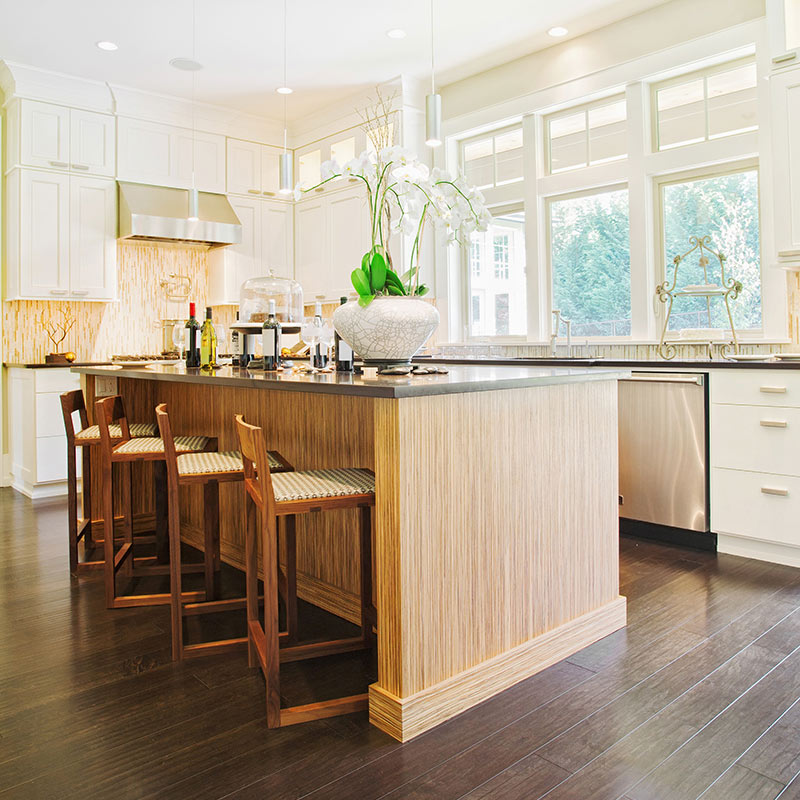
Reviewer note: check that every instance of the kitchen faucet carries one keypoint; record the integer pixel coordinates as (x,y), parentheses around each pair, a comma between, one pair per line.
(558,319)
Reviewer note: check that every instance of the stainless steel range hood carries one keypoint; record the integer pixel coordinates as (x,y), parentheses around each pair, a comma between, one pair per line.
(158,213)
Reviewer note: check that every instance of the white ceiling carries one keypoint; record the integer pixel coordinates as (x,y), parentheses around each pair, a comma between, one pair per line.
(336,47)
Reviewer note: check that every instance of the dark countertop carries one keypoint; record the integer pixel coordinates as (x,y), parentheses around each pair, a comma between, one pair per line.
(472,378)
(41,365)
(610,363)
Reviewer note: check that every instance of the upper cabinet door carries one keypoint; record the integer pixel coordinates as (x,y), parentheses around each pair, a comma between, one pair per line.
(276,237)
(143,151)
(311,247)
(244,167)
(348,221)
(208,163)
(246,254)
(270,170)
(93,230)
(44,135)
(92,143)
(44,234)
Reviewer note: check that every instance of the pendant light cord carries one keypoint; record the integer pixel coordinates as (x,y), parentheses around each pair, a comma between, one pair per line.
(194,58)
(433,82)
(284,74)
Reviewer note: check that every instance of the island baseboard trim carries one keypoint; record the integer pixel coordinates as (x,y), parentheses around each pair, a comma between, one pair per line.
(407,717)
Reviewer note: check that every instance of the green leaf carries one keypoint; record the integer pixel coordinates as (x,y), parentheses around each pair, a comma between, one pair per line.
(377,268)
(393,280)
(360,282)
(365,262)
(392,289)
(423,289)
(365,299)
(407,276)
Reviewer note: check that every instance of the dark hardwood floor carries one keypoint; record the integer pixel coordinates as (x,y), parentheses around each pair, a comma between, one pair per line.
(698,697)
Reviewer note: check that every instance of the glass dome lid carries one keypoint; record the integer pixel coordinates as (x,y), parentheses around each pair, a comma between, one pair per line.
(255,294)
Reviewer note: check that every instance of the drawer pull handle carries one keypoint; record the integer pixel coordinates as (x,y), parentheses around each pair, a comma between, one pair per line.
(773,390)
(80,292)
(80,166)
(58,291)
(774,423)
(62,164)
(774,491)
(269,194)
(254,191)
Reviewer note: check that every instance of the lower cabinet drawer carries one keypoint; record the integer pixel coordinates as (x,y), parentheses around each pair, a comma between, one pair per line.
(762,387)
(756,505)
(51,459)
(755,438)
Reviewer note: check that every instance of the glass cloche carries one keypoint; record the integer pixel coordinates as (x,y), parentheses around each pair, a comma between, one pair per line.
(255,294)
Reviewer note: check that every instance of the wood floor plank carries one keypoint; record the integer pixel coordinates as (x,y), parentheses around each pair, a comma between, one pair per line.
(739,783)
(530,777)
(776,753)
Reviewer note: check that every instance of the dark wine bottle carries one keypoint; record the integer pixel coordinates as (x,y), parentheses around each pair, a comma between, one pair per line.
(271,340)
(190,343)
(343,353)
(236,346)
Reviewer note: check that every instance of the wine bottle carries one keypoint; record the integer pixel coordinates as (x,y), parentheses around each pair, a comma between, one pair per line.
(343,353)
(236,347)
(190,340)
(319,360)
(208,343)
(271,340)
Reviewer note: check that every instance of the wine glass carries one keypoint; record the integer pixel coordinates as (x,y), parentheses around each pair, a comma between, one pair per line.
(179,339)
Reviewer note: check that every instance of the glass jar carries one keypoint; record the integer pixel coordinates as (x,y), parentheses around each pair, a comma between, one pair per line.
(256,293)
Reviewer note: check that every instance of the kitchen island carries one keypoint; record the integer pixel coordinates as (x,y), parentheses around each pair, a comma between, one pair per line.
(496,533)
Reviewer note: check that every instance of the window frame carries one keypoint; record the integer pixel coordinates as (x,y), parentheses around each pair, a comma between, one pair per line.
(586,107)
(492,134)
(688,77)
(698,174)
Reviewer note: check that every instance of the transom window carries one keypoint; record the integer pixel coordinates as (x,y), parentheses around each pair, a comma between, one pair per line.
(494,160)
(592,134)
(708,105)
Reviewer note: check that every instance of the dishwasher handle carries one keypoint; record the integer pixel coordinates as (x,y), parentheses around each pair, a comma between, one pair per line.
(696,380)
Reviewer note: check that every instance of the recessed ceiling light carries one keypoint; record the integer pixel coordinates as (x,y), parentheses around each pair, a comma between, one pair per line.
(558,31)
(186,64)
(107,45)
(284,90)
(396,33)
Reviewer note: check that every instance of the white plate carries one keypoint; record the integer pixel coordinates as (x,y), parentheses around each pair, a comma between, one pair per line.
(752,357)
(163,362)
(134,364)
(788,356)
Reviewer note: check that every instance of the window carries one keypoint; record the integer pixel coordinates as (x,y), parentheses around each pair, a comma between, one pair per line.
(501,256)
(724,207)
(590,262)
(595,134)
(495,160)
(497,272)
(716,103)
(475,258)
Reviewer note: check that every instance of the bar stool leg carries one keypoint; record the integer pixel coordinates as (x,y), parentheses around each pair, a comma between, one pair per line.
(72,509)
(86,497)
(163,545)
(290,538)
(127,518)
(210,537)
(251,577)
(366,574)
(109,572)
(176,605)
(271,650)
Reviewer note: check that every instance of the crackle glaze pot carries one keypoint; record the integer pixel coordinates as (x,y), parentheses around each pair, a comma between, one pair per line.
(390,330)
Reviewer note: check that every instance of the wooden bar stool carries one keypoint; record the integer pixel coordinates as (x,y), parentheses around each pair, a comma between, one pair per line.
(87,437)
(267,497)
(109,411)
(208,470)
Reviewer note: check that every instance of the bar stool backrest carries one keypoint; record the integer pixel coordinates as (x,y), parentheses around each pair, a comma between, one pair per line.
(70,403)
(106,411)
(257,478)
(170,454)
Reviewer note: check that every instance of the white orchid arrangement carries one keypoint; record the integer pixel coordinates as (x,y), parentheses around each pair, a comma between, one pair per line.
(404,196)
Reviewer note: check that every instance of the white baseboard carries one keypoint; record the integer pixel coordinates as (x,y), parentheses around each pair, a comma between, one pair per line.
(760,550)
(40,492)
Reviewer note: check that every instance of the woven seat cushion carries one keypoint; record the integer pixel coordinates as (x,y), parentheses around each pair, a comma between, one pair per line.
(152,444)
(137,429)
(316,483)
(230,461)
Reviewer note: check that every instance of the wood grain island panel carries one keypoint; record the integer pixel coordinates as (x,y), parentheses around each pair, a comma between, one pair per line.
(496,548)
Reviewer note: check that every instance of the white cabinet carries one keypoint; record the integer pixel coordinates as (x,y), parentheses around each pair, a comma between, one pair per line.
(91,143)
(266,246)
(61,236)
(754,426)
(57,137)
(331,236)
(38,443)
(252,168)
(149,152)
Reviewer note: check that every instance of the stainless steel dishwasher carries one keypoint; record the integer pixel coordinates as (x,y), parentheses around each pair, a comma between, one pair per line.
(663,457)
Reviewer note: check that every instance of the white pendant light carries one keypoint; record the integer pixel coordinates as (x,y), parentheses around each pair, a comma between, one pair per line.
(193,214)
(285,159)
(433,105)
